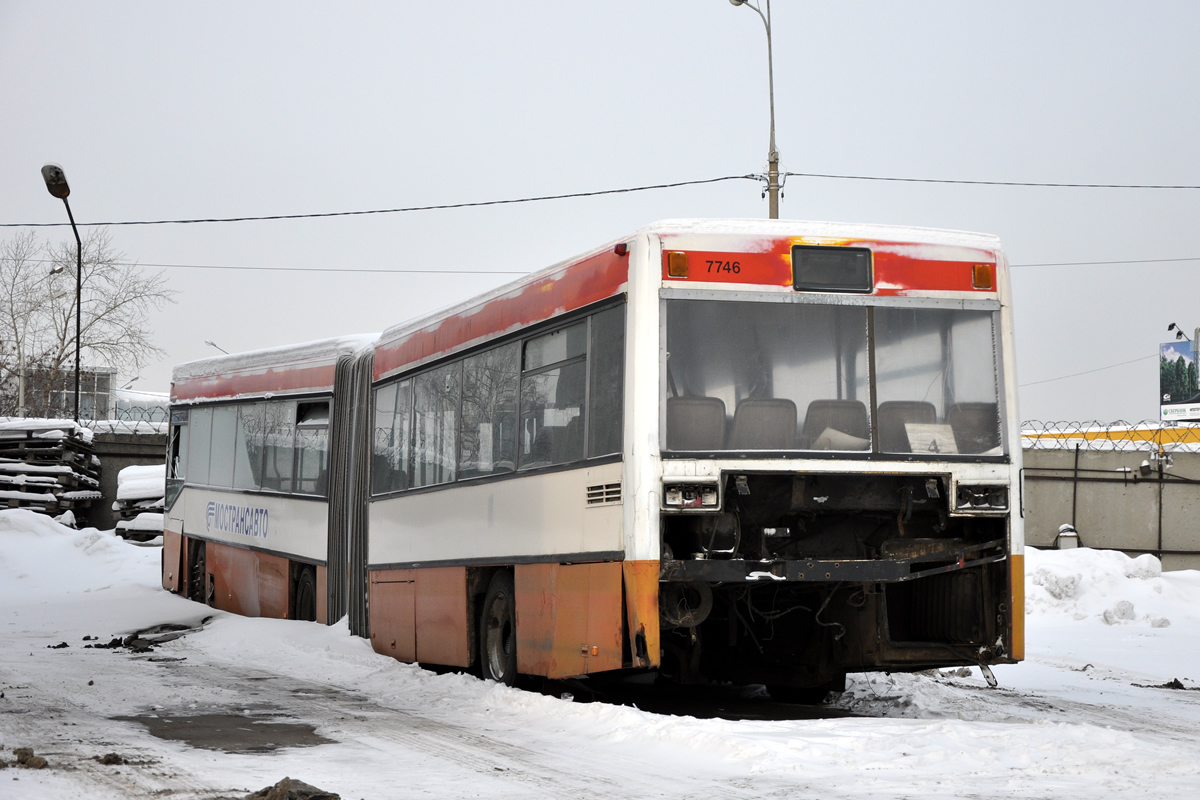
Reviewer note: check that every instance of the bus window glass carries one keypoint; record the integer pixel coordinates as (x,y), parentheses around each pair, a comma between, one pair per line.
(279,435)
(552,415)
(198,440)
(177,465)
(936,381)
(489,412)
(224,432)
(177,462)
(766,376)
(560,345)
(248,448)
(312,460)
(389,456)
(435,425)
(607,359)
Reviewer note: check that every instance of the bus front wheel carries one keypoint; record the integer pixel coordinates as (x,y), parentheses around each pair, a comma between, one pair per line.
(498,631)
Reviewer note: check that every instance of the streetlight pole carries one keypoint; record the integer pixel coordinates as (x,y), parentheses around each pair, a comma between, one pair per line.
(772,154)
(56,183)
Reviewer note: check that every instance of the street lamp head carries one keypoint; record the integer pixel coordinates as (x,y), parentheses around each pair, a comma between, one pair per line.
(737,2)
(56,181)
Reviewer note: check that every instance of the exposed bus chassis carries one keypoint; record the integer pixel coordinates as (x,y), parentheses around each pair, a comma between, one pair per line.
(799,579)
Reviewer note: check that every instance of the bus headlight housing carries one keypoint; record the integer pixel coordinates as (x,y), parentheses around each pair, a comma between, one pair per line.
(981,498)
(691,496)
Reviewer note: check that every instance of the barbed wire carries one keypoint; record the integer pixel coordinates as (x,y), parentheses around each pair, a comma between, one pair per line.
(1147,435)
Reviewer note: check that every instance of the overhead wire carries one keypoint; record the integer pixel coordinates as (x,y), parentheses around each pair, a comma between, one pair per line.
(439,207)
(1086,372)
(625,190)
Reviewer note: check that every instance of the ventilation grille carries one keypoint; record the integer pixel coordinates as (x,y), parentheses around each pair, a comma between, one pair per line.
(604,494)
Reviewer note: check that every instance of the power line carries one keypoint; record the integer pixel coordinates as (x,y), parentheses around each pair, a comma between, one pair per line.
(992,183)
(626,190)
(1092,263)
(1087,372)
(302,269)
(442,207)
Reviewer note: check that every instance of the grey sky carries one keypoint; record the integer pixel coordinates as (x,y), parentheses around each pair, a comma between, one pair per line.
(173,110)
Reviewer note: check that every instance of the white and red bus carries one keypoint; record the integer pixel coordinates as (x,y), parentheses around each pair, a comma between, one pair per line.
(748,451)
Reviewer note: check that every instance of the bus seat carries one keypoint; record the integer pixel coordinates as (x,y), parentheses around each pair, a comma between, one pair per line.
(976,426)
(567,444)
(848,417)
(894,415)
(768,424)
(695,423)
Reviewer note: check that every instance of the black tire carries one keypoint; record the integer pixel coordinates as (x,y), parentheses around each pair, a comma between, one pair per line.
(197,578)
(498,631)
(304,605)
(797,695)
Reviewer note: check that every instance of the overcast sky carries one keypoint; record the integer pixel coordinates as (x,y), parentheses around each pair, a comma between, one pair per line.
(184,110)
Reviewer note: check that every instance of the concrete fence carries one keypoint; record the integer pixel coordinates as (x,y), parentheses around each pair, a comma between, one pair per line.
(1134,488)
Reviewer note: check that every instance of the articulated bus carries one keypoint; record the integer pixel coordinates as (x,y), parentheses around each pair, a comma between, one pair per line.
(758,452)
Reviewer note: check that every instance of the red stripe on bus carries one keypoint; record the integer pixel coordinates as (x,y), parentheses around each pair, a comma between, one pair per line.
(588,281)
(895,273)
(272,380)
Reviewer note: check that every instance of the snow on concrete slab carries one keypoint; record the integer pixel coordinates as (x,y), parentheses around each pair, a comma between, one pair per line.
(1068,723)
(142,482)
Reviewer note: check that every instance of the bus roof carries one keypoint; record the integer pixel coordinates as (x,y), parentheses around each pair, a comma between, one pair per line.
(289,369)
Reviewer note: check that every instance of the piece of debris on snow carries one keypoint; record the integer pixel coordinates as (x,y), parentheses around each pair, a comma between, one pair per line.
(110,760)
(288,789)
(27,759)
(1174,683)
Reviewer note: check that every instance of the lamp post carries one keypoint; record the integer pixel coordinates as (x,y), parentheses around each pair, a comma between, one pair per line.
(56,183)
(772,154)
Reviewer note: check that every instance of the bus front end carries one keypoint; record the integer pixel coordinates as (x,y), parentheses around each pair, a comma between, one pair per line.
(839,456)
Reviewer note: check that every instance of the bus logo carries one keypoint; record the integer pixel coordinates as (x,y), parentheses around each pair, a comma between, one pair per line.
(239,520)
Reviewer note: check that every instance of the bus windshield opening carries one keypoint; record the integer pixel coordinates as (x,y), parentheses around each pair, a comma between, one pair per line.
(763,376)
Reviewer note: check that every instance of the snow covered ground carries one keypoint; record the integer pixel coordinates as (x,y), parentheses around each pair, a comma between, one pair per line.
(1070,722)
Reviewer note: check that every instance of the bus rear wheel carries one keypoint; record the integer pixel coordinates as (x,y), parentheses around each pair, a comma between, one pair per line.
(498,631)
(305,603)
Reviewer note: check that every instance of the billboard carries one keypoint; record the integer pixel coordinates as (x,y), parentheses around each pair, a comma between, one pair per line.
(1178,389)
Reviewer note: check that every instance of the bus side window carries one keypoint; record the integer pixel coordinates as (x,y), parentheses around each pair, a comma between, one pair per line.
(606,357)
(224,436)
(177,456)
(279,435)
(199,439)
(312,447)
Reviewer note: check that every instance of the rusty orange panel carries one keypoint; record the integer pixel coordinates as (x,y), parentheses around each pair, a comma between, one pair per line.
(323,595)
(641,603)
(1016,571)
(172,563)
(392,604)
(536,589)
(604,629)
(235,579)
(442,624)
(274,576)
(248,583)
(568,618)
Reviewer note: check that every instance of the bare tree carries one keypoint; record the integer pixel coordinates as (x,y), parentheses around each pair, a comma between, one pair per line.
(37,311)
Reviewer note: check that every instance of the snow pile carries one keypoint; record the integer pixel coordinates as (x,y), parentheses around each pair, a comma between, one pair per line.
(139,506)
(1105,586)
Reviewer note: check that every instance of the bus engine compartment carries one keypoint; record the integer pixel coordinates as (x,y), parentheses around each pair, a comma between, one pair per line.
(793,580)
